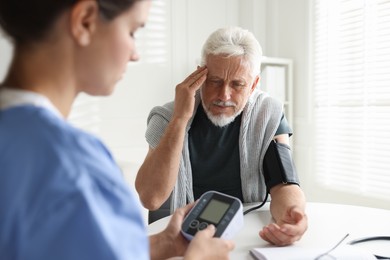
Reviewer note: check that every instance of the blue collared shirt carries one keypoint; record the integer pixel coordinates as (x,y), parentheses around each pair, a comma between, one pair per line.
(62,196)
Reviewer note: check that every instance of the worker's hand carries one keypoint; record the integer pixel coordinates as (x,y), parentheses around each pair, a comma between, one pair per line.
(172,232)
(205,246)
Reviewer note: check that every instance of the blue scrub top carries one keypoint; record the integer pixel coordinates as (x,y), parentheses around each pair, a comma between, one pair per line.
(62,196)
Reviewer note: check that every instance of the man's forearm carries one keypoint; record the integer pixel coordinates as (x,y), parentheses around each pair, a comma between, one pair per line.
(288,211)
(284,197)
(157,175)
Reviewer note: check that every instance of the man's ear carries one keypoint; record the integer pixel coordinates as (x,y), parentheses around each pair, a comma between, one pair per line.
(254,85)
(83,21)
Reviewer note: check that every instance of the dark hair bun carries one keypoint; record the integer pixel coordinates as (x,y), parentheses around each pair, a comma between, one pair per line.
(29,20)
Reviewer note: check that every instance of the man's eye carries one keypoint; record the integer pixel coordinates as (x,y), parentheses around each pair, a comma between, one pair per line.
(238,85)
(211,81)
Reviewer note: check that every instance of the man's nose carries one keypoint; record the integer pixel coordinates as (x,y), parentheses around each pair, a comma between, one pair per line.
(224,92)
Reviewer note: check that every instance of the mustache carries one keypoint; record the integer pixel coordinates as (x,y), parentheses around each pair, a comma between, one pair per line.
(224,104)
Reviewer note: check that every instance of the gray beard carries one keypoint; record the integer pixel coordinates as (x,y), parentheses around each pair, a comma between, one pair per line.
(220,120)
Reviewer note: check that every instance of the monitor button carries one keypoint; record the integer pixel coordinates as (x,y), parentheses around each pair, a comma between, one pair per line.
(194,223)
(202,226)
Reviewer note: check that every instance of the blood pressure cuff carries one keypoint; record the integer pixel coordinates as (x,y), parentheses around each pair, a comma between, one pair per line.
(278,165)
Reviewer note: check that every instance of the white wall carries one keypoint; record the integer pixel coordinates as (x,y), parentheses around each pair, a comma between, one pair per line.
(288,36)
(282,28)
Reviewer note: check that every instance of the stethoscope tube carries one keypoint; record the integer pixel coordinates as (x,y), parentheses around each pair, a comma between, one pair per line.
(367,239)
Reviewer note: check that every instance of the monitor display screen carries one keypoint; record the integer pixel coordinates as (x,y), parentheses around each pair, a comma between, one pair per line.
(214,211)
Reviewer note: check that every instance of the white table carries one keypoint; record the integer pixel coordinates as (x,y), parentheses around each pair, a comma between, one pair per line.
(328,223)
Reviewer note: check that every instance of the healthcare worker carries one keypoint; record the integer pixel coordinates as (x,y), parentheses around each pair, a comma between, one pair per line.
(62,196)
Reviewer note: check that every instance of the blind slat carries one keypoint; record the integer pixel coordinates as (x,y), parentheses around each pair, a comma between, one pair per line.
(352,95)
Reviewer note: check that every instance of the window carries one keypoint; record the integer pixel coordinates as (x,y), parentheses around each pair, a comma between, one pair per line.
(352,96)
(152,43)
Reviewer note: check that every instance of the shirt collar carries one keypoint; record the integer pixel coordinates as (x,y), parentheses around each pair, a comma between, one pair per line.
(17,97)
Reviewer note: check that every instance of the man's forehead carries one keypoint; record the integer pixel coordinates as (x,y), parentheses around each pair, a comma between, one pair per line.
(234,69)
(238,77)
(218,62)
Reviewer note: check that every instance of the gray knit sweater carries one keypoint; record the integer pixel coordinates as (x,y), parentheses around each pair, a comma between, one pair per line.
(260,120)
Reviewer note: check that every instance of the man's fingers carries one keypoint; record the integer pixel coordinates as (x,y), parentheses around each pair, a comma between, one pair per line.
(300,218)
(198,83)
(296,214)
(196,78)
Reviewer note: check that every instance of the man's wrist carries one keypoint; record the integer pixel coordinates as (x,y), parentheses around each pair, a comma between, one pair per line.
(179,121)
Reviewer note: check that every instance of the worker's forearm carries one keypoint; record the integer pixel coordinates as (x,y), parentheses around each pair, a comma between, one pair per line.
(157,175)
(161,247)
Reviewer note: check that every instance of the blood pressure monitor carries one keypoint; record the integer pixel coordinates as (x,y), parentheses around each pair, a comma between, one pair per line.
(221,210)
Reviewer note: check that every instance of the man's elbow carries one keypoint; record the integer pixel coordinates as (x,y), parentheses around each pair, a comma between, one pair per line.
(145,196)
(150,202)
(150,198)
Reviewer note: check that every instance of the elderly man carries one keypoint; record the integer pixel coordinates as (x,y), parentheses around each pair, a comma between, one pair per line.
(215,136)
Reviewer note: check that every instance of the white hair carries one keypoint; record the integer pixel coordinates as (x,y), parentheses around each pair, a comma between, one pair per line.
(234,41)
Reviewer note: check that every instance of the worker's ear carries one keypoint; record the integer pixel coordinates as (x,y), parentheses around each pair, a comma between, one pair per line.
(84,17)
(254,85)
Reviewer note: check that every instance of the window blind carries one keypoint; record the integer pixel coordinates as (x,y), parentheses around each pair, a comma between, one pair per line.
(152,41)
(352,96)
